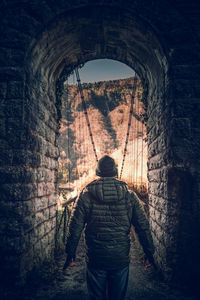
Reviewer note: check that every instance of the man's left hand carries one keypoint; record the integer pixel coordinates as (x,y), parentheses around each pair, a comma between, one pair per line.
(69,263)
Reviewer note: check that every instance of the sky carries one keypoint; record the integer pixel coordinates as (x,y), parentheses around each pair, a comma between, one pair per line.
(102,70)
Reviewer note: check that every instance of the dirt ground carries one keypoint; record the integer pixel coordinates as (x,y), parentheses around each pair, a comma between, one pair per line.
(144,283)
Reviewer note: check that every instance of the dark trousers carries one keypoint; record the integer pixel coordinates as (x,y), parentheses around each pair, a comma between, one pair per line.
(107,285)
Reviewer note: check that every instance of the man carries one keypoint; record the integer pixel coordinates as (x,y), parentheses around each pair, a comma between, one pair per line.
(107,209)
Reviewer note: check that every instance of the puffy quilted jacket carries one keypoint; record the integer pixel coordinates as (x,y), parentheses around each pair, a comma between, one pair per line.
(107,209)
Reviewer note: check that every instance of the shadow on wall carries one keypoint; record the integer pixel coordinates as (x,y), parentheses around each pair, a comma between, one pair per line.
(181,191)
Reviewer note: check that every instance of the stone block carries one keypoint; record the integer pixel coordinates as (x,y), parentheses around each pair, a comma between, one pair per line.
(13,136)
(158,189)
(41,189)
(186,71)
(6,157)
(50,176)
(180,127)
(11,73)
(46,213)
(41,130)
(3,90)
(47,226)
(37,252)
(30,175)
(52,199)
(19,191)
(11,175)
(158,145)
(44,189)
(184,55)
(187,87)
(22,157)
(11,244)
(182,108)
(157,175)
(157,161)
(170,242)
(39,218)
(52,211)
(41,174)
(51,238)
(164,205)
(40,203)
(27,262)
(52,122)
(53,223)
(14,111)
(28,223)
(28,207)
(44,243)
(50,135)
(41,230)
(157,241)
(50,188)
(153,133)
(9,226)
(2,127)
(52,164)
(41,112)
(15,90)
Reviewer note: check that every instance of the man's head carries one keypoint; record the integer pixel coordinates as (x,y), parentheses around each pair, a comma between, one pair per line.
(106,167)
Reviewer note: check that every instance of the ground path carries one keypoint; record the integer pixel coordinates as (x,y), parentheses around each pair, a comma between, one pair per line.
(71,284)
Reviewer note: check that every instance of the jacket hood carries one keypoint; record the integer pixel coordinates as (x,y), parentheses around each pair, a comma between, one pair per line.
(107,189)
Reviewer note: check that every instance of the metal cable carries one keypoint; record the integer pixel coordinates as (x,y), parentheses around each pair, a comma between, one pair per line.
(68,136)
(85,112)
(142,156)
(137,141)
(129,125)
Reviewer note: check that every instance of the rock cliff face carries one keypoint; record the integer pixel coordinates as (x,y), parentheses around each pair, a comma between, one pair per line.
(108,106)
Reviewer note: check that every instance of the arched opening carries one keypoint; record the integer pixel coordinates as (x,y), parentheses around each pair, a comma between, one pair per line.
(115,118)
(73,39)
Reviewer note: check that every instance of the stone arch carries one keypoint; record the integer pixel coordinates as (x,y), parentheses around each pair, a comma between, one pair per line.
(89,33)
(49,44)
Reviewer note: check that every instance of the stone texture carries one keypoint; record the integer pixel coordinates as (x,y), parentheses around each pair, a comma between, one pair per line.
(40,43)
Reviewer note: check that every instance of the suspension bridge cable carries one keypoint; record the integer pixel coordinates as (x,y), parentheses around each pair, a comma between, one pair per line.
(76,122)
(132,150)
(129,125)
(141,152)
(142,155)
(85,112)
(79,144)
(68,137)
(137,130)
(131,158)
(135,136)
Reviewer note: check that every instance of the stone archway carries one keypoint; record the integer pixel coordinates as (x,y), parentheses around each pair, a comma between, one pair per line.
(51,49)
(89,33)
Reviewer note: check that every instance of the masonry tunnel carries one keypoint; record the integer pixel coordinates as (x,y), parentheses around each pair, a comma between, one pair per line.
(41,44)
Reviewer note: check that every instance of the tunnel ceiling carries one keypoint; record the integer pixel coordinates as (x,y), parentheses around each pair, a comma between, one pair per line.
(98,32)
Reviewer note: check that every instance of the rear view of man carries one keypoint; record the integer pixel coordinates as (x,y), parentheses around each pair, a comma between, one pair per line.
(107,209)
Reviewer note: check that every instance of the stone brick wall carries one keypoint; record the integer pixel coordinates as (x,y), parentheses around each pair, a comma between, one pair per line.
(42,40)
(28,177)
